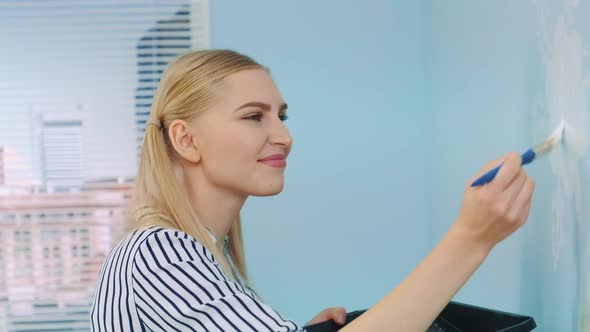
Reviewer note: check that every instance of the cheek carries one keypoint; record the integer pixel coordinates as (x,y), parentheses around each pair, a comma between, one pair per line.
(238,146)
(232,156)
(238,153)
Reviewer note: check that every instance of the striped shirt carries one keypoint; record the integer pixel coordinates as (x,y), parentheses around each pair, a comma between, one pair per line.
(161,279)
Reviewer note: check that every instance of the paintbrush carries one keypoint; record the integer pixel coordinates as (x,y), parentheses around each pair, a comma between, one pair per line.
(529,155)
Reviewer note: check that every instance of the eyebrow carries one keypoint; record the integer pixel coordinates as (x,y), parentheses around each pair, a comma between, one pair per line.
(263,106)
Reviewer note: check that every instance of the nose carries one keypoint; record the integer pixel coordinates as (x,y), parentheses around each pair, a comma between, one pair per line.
(279,134)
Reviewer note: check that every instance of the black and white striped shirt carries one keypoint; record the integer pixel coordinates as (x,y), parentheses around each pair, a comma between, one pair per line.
(161,279)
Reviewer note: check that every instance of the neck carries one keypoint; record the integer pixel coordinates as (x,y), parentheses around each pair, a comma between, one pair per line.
(216,208)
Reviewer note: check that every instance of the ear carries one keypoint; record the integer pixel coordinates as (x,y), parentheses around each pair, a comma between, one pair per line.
(183,141)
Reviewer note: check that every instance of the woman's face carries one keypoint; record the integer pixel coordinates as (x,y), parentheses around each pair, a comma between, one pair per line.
(243,127)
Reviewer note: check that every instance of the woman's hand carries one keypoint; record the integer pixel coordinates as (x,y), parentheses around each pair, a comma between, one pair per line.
(337,314)
(491,212)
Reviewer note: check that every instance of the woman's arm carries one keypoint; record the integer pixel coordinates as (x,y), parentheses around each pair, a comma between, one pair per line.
(488,215)
(416,302)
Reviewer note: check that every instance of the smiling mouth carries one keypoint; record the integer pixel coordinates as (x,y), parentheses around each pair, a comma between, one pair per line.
(277,163)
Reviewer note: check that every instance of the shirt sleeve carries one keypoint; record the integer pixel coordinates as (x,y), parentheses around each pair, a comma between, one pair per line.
(178,286)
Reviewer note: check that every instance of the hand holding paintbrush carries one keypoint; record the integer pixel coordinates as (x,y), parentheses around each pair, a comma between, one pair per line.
(529,155)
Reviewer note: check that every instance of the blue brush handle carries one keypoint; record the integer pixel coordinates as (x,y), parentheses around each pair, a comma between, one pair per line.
(526,157)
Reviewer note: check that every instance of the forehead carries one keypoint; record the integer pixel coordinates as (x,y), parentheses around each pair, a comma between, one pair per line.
(248,85)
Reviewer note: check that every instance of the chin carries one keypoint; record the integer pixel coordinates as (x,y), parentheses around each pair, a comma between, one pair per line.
(271,190)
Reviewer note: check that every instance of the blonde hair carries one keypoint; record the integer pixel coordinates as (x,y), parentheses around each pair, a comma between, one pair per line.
(186,89)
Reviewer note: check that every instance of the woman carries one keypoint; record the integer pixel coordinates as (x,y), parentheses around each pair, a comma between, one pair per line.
(216,136)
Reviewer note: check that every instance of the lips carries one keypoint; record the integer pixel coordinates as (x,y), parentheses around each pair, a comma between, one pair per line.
(276,161)
(274,157)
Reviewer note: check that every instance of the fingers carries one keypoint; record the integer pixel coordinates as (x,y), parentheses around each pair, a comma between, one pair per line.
(488,166)
(515,187)
(338,314)
(329,314)
(507,173)
(510,165)
(520,208)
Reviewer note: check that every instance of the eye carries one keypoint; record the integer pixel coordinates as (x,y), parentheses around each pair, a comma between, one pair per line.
(257,116)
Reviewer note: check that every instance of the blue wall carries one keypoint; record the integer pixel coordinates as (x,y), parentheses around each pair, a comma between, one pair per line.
(487,79)
(393,107)
(352,219)
(480,96)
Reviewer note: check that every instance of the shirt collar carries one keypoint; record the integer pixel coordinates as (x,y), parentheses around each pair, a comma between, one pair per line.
(211,234)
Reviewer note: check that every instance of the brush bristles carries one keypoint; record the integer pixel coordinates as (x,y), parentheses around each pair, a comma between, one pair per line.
(544,147)
(553,139)
(557,134)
